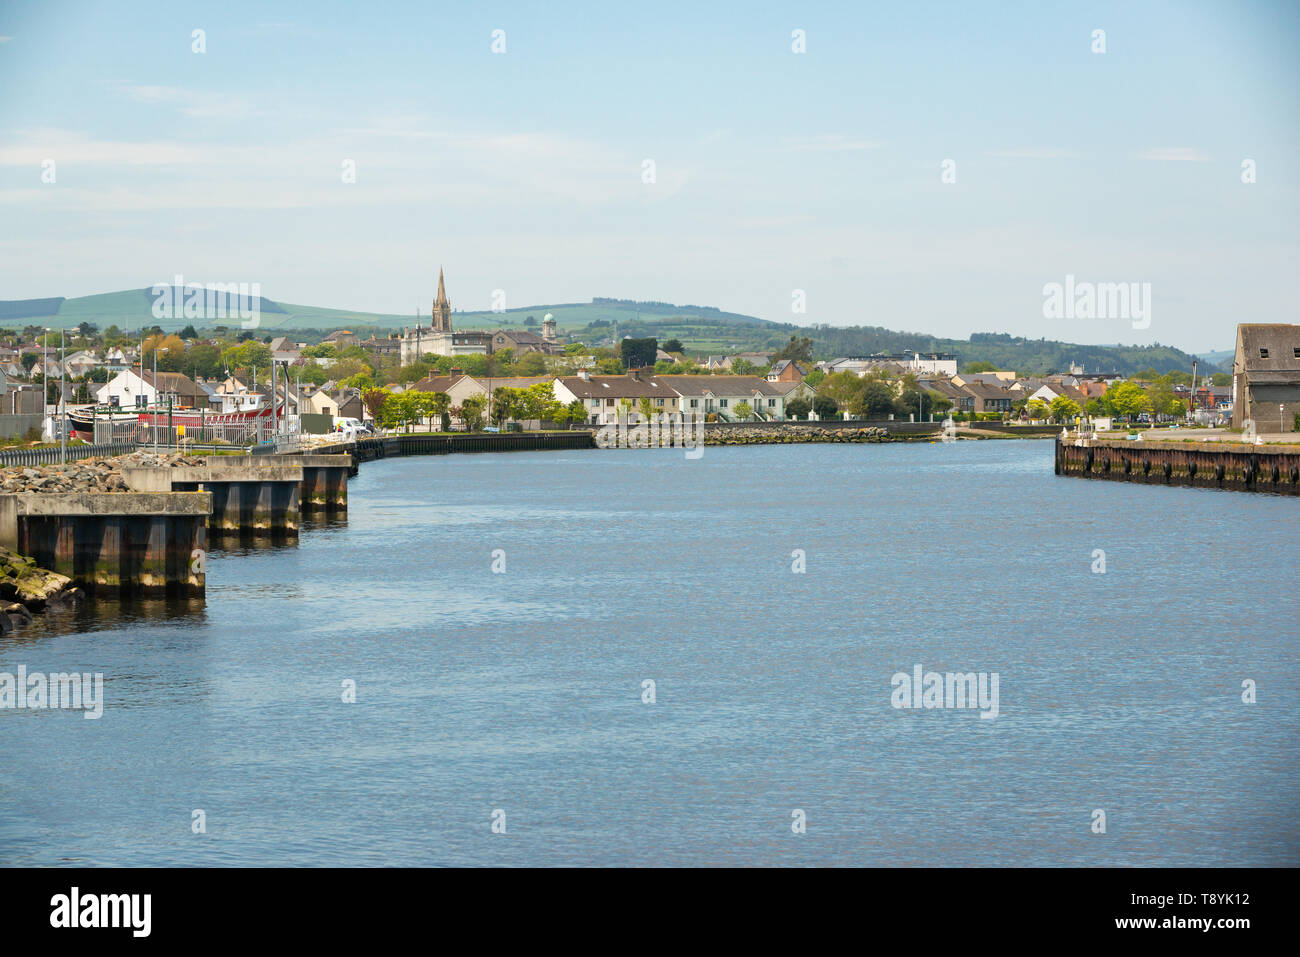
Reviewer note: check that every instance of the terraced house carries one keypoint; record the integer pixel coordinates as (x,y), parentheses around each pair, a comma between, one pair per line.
(603,396)
(721,394)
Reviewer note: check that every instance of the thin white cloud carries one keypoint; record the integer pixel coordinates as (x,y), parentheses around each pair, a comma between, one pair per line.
(1175,154)
(1033,152)
(191,102)
(830,142)
(36,146)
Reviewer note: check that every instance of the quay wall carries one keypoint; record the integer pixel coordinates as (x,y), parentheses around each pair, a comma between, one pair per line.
(1222,465)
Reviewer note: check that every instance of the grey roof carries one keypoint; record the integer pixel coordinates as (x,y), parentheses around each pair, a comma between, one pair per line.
(1281,341)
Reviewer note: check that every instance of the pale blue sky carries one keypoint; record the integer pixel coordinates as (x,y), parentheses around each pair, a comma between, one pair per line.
(776,171)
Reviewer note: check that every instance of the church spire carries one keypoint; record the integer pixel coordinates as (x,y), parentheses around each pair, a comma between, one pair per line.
(440,316)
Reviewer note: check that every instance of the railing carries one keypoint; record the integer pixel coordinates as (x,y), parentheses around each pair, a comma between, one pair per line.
(74,452)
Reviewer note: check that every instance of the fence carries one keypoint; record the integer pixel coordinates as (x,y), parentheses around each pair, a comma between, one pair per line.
(234,434)
(53,455)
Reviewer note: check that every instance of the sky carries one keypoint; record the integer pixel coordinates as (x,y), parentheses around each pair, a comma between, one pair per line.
(919,166)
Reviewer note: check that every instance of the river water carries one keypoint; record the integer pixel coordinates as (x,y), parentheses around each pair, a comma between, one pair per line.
(517,695)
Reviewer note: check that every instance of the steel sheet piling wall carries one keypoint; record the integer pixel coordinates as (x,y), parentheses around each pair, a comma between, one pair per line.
(1243,468)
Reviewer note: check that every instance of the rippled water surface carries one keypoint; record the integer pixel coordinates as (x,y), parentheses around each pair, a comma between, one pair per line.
(522,691)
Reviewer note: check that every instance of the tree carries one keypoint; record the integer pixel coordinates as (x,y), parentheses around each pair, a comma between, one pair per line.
(1063,408)
(1126,399)
(439,404)
(646,408)
(87,329)
(507,403)
(531,364)
(1221,379)
(975,367)
(799,350)
(743,410)
(373,400)
(471,412)
(250,355)
(825,406)
(874,401)
(28,360)
(798,408)
(840,387)
(638,353)
(743,367)
(937,402)
(673,345)
(1037,409)
(577,411)
(358,380)
(204,360)
(189,332)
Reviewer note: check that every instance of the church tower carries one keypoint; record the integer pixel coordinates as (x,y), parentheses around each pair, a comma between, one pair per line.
(440,319)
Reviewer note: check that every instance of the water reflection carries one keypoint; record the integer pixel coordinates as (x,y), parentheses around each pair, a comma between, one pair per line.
(247,540)
(97,613)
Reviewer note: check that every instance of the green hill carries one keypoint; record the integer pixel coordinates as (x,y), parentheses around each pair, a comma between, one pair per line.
(702,329)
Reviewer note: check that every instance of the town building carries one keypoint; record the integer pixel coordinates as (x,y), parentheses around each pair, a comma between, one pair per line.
(438,339)
(1266,377)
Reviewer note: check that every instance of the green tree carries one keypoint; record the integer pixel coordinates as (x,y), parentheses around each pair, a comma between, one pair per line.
(471,412)
(638,353)
(800,350)
(825,406)
(743,411)
(798,408)
(1063,408)
(1126,399)
(875,401)
(672,345)
(531,364)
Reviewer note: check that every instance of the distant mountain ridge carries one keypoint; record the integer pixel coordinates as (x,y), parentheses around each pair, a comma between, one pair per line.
(702,329)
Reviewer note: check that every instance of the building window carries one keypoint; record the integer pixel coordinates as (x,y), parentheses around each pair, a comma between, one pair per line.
(659,402)
(1263,353)
(723,403)
(695,403)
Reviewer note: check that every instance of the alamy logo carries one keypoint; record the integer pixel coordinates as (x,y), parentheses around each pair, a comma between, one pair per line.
(38,691)
(215,300)
(930,689)
(102,910)
(1098,300)
(661,431)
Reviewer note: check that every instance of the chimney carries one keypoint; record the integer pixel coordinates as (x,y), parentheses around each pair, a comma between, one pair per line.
(584,375)
(455,372)
(635,374)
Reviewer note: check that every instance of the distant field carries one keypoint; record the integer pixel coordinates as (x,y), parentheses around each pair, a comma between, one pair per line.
(701,329)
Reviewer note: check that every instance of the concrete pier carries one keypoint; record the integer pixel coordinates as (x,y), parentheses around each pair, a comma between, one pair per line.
(247,496)
(1223,465)
(146,543)
(324,481)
